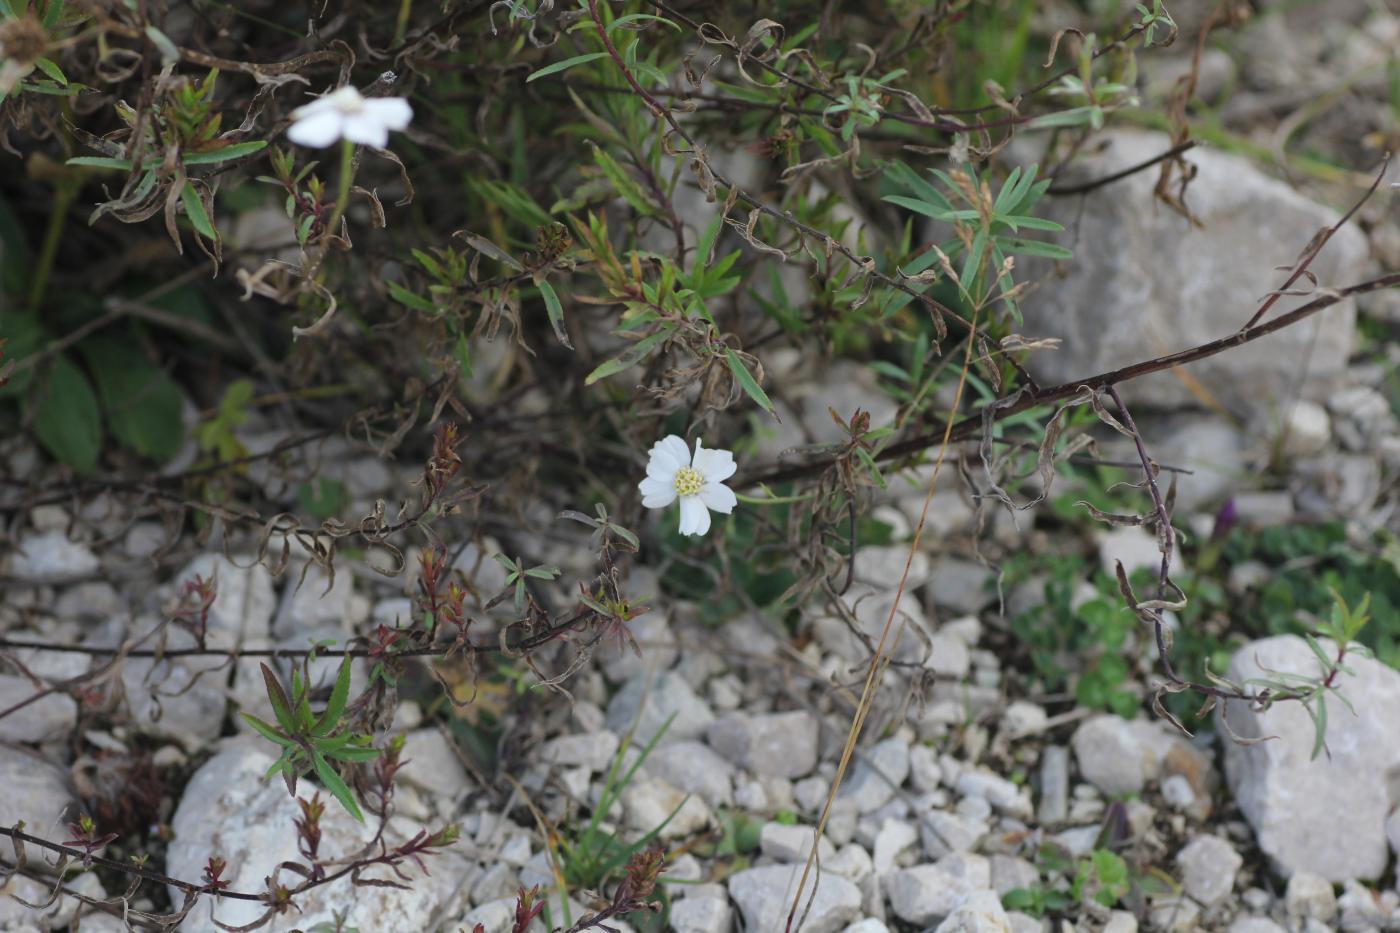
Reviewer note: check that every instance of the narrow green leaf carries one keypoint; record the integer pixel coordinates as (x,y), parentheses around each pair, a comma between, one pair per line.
(340,695)
(281,706)
(748,383)
(565,64)
(405,297)
(266,730)
(462,352)
(194,207)
(919,207)
(48,67)
(101,162)
(628,358)
(641,17)
(169,52)
(226,154)
(556,313)
(335,785)
(623,183)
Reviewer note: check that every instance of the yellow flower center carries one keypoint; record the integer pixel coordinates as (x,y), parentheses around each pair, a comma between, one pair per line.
(689,482)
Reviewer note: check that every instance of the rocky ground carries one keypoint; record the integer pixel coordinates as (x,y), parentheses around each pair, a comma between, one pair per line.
(978,798)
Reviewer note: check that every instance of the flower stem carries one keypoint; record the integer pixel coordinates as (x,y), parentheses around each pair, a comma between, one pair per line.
(64,192)
(342,194)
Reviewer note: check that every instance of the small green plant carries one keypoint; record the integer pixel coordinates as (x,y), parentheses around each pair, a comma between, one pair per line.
(310,742)
(517,573)
(1076,645)
(1342,627)
(1103,876)
(595,853)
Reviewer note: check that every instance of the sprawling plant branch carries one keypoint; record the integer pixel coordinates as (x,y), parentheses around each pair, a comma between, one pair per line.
(1026,399)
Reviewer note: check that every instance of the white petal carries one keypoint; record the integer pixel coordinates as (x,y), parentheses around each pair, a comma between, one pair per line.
(318,131)
(318,106)
(657,494)
(695,518)
(365,130)
(675,447)
(392,112)
(719,497)
(716,465)
(662,466)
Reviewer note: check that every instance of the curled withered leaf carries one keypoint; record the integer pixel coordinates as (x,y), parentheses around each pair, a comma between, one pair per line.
(403,175)
(1021,342)
(1096,400)
(487,248)
(376,209)
(1113,518)
(1055,44)
(746,231)
(1160,709)
(1224,720)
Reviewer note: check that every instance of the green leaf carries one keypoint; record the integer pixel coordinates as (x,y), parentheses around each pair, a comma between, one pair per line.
(405,297)
(67,420)
(101,162)
(641,17)
(226,154)
(48,67)
(169,52)
(747,382)
(267,731)
(52,13)
(340,695)
(705,249)
(556,313)
(628,358)
(281,706)
(14,265)
(919,207)
(623,183)
(335,785)
(323,497)
(194,207)
(143,405)
(565,64)
(462,352)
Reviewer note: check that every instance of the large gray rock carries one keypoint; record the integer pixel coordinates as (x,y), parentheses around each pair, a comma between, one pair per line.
(46,719)
(765,895)
(35,792)
(229,810)
(1144,282)
(771,744)
(696,769)
(980,912)
(1324,815)
(927,894)
(1208,867)
(877,775)
(648,702)
(49,557)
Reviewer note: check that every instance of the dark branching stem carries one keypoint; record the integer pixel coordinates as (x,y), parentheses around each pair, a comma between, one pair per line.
(527,644)
(127,868)
(1315,247)
(661,112)
(1144,165)
(969,427)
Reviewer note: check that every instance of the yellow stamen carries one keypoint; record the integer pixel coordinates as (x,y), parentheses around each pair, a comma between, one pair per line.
(689,482)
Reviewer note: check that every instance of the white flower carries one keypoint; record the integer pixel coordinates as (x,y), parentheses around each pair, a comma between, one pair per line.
(697,481)
(346,114)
